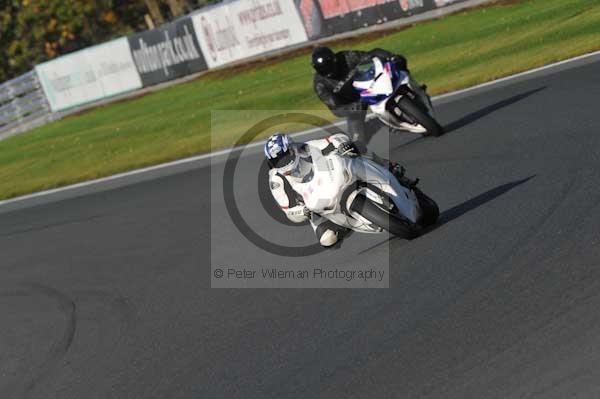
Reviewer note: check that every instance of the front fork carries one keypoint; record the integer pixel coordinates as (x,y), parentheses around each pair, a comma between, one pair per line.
(423,96)
(415,92)
(398,171)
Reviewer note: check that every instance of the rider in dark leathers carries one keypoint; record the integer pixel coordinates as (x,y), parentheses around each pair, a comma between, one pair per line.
(331,71)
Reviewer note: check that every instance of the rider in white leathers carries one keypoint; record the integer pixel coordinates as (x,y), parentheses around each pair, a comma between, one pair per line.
(291,164)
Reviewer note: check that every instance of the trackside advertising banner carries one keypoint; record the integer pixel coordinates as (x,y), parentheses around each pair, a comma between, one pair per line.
(89,75)
(323,18)
(168,52)
(240,29)
(212,37)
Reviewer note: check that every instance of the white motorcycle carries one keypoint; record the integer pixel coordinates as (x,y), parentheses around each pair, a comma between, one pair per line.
(359,194)
(396,99)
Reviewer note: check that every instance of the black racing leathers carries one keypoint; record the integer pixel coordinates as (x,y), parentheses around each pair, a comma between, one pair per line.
(345,101)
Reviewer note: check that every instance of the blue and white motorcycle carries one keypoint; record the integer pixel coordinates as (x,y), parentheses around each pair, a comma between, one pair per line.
(397,99)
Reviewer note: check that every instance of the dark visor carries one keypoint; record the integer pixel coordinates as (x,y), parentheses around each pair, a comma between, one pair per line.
(286,159)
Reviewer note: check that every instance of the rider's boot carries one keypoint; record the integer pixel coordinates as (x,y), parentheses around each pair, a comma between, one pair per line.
(328,238)
(329,233)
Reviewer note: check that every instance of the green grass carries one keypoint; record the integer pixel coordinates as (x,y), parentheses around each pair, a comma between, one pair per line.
(451,53)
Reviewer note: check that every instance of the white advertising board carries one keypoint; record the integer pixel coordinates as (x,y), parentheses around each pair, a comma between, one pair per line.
(244,28)
(89,75)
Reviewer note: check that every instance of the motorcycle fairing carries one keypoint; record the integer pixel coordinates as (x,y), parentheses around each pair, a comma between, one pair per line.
(333,174)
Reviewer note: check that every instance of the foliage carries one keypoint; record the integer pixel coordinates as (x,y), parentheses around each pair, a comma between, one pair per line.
(33,31)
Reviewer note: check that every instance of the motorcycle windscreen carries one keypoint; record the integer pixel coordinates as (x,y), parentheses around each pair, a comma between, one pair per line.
(373,81)
(364,75)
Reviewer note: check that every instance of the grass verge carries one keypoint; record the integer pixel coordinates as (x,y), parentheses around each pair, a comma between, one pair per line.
(454,52)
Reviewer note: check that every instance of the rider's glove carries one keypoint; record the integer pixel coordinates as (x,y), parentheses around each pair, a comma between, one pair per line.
(348,149)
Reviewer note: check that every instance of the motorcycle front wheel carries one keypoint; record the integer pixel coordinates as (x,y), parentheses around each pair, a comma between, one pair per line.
(395,224)
(420,116)
(429,208)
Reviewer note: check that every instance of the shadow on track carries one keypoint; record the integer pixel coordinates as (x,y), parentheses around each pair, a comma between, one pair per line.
(465,120)
(475,202)
(460,209)
(480,113)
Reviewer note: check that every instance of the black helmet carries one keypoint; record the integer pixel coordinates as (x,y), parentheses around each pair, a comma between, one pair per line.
(324,61)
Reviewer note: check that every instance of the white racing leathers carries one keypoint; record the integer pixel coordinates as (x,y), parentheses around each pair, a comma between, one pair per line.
(284,189)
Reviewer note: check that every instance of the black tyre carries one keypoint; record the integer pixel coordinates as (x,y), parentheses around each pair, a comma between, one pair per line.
(395,224)
(420,116)
(431,211)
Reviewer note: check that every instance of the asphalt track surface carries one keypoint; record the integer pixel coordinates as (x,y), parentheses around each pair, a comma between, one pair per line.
(107,295)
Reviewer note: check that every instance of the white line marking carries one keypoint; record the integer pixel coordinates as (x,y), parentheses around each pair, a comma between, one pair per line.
(517,75)
(252,145)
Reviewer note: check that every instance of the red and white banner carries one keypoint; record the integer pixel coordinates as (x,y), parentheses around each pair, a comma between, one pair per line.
(241,29)
(324,18)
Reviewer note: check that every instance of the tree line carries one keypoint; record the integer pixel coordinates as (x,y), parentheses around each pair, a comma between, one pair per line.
(34,31)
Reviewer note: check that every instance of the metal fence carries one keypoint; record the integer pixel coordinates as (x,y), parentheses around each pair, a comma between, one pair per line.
(23,105)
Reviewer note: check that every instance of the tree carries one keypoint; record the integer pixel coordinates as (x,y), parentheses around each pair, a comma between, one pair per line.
(33,31)
(7,36)
(155,12)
